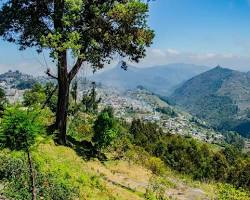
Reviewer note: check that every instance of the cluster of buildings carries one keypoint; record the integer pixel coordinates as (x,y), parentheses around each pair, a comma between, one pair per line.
(131,105)
(7,83)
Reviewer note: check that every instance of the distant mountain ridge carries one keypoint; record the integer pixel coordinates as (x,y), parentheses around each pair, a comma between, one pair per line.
(19,80)
(16,79)
(162,80)
(220,96)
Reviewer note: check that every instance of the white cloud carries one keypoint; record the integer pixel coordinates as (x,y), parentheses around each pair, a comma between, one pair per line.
(162,57)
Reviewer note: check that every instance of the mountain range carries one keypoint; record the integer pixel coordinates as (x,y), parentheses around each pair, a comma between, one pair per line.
(162,80)
(220,96)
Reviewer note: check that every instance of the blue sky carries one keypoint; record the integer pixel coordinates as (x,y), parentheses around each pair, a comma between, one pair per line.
(203,32)
(220,26)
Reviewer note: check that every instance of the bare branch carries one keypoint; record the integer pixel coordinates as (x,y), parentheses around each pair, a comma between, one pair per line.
(50,75)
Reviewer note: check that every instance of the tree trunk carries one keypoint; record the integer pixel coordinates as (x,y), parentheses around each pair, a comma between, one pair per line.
(32,176)
(63,98)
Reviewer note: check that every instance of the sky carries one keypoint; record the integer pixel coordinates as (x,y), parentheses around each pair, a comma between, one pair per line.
(202,32)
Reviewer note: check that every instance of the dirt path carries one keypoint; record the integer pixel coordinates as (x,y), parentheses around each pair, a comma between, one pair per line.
(137,179)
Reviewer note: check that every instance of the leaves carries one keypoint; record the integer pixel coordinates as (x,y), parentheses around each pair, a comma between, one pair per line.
(105,129)
(19,128)
(94,30)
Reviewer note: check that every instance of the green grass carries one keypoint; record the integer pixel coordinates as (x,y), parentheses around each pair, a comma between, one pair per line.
(116,180)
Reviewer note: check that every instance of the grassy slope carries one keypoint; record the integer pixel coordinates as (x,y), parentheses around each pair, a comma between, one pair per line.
(77,172)
(121,180)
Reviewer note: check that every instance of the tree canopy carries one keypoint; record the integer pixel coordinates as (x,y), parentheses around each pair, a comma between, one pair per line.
(93,30)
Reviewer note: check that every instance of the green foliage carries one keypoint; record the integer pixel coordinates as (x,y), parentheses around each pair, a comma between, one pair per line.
(192,157)
(157,189)
(228,192)
(39,94)
(234,139)
(51,94)
(3,100)
(14,171)
(145,134)
(19,128)
(2,94)
(81,127)
(34,96)
(89,101)
(94,44)
(105,128)
(168,111)
(156,165)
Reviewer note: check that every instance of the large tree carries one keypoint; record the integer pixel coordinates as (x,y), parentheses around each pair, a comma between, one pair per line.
(92,31)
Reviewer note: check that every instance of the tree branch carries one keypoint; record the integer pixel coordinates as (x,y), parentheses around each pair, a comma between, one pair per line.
(50,75)
(75,69)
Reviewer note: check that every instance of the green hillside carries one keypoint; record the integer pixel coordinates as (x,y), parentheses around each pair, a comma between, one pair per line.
(220,96)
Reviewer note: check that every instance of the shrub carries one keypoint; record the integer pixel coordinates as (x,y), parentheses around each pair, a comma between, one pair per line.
(19,127)
(105,129)
(81,127)
(40,94)
(15,172)
(156,165)
(156,189)
(228,192)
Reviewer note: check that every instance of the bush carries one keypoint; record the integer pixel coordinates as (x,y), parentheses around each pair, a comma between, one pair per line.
(228,192)
(36,95)
(81,127)
(156,189)
(39,94)
(14,171)
(19,127)
(156,165)
(19,130)
(105,129)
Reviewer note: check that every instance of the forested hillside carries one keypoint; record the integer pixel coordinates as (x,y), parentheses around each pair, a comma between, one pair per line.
(220,96)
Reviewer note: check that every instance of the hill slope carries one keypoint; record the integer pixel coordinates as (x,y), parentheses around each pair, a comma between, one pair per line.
(160,79)
(113,179)
(221,96)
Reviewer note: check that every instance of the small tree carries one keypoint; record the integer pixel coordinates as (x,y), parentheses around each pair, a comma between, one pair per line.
(105,128)
(18,131)
(89,100)
(74,89)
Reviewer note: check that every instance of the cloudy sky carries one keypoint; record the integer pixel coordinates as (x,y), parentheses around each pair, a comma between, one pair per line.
(202,32)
